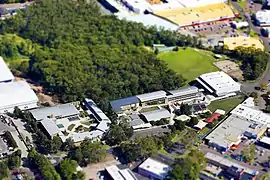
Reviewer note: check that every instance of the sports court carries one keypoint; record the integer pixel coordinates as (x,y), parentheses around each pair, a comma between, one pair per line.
(233,42)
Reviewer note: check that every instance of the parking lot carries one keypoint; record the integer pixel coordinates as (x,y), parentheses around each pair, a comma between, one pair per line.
(210,28)
(258,165)
(5,125)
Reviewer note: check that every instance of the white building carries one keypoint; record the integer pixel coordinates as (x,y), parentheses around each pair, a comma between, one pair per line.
(154,169)
(219,83)
(5,73)
(18,94)
(120,174)
(241,24)
(263,18)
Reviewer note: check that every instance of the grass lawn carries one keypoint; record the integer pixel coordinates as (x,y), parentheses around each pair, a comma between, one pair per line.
(190,63)
(242,3)
(226,104)
(70,127)
(87,123)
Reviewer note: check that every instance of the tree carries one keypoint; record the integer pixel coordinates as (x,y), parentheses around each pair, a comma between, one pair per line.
(4,171)
(14,161)
(119,133)
(188,167)
(186,109)
(88,152)
(43,164)
(17,112)
(263,85)
(80,175)
(68,145)
(179,125)
(104,53)
(67,168)
(254,95)
(55,144)
(249,153)
(177,173)
(267,109)
(193,121)
(266,176)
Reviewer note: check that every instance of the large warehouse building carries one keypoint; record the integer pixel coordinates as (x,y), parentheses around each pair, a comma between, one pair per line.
(5,73)
(219,83)
(244,120)
(17,93)
(14,93)
(183,13)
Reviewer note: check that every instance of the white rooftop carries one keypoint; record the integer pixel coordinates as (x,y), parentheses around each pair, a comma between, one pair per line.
(117,174)
(15,94)
(201,124)
(78,137)
(251,114)
(156,115)
(265,140)
(151,96)
(263,17)
(97,112)
(149,20)
(232,129)
(58,111)
(5,73)
(50,127)
(155,167)
(219,82)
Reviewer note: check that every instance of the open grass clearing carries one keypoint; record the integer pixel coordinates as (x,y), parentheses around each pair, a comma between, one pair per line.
(70,127)
(190,63)
(87,123)
(225,104)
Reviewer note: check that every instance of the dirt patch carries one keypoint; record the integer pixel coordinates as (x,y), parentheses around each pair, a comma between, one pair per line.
(39,90)
(230,68)
(92,171)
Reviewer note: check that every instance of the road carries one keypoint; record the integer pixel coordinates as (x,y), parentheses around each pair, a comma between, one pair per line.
(249,87)
(158,130)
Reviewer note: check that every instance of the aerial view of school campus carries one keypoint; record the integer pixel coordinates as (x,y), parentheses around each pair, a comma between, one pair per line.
(134,89)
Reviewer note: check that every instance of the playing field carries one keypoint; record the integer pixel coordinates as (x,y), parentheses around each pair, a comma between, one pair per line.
(226,104)
(190,63)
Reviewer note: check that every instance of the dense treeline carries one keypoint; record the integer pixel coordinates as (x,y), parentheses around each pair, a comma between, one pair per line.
(253,61)
(85,54)
(43,164)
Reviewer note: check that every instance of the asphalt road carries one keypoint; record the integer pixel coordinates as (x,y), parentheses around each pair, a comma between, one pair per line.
(249,87)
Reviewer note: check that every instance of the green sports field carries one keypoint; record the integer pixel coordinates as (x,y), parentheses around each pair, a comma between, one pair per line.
(190,63)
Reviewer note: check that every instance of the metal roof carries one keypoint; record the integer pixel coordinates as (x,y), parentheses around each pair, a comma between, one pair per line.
(155,167)
(156,115)
(15,94)
(5,73)
(184,91)
(104,125)
(149,20)
(118,174)
(97,112)
(117,104)
(61,111)
(78,137)
(151,96)
(220,82)
(50,126)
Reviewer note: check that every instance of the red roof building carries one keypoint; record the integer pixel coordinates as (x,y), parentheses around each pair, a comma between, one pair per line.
(212,118)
